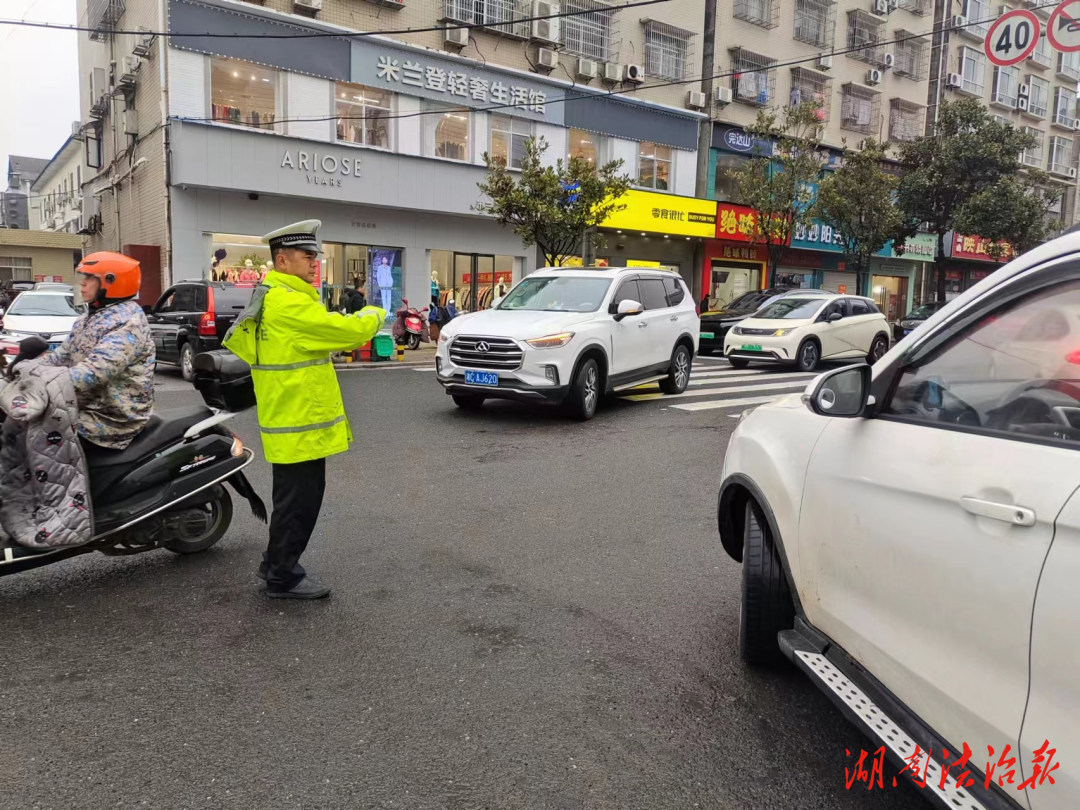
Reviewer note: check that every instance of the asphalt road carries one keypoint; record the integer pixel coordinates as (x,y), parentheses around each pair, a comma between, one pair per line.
(527,613)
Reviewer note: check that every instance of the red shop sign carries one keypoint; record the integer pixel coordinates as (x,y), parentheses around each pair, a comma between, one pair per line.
(975,247)
(735,222)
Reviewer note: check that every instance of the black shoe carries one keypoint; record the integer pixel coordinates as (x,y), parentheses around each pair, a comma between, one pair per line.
(307,588)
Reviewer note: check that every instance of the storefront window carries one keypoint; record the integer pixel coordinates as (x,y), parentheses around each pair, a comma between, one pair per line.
(242,93)
(364,115)
(471,280)
(654,166)
(238,256)
(729,281)
(724,186)
(378,269)
(588,145)
(508,138)
(890,295)
(446,131)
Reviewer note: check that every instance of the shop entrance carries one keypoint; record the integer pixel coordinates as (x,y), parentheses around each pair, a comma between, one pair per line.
(730,280)
(890,295)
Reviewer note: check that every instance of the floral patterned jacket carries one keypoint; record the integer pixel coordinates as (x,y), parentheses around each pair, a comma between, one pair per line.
(110,352)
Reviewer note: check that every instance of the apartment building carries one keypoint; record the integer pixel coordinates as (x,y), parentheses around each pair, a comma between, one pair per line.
(56,198)
(15,209)
(200,144)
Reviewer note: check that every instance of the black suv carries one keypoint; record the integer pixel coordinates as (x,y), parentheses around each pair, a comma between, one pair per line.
(714,325)
(192,317)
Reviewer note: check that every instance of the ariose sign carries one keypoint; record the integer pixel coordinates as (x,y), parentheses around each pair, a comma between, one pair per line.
(648,211)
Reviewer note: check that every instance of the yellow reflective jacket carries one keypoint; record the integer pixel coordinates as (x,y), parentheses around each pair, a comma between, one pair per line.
(286,336)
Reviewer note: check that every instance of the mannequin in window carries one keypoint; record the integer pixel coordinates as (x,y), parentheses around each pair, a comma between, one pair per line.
(248,274)
(266,268)
(434,287)
(233,275)
(384,278)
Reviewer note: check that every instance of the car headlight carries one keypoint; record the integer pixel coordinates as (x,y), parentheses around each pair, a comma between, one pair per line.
(908,324)
(782,332)
(443,337)
(551,341)
(736,330)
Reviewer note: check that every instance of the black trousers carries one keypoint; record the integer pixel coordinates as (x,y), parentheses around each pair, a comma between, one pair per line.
(298,497)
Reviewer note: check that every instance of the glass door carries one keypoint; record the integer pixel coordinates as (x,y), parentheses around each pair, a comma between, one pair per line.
(474,281)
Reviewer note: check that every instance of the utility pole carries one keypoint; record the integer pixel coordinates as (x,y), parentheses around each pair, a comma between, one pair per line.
(708,45)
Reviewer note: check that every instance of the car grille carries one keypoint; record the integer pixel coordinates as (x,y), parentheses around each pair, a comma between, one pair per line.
(502,354)
(746,331)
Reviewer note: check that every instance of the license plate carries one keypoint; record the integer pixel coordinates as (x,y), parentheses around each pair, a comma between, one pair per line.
(751,347)
(53,347)
(708,335)
(482,378)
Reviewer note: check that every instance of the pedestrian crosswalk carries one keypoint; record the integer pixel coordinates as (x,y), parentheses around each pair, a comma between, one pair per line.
(715,385)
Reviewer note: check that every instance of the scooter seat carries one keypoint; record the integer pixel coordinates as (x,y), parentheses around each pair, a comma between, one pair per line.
(164,428)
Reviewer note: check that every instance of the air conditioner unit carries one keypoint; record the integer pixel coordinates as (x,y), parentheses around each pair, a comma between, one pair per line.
(635,74)
(129,67)
(1025,90)
(545,30)
(1022,104)
(307,5)
(548,58)
(824,62)
(99,92)
(1076,124)
(1002,10)
(695,99)
(889,60)
(722,95)
(130,122)
(1072,173)
(587,68)
(959,21)
(953,80)
(873,76)
(143,46)
(458,37)
(613,72)
(881,7)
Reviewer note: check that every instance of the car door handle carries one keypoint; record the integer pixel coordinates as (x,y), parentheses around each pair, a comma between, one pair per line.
(1007,512)
(674,317)
(642,324)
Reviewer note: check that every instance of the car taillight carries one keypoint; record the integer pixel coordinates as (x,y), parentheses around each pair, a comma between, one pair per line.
(207,324)
(1073,357)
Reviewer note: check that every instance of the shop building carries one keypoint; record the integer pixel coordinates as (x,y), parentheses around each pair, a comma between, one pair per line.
(967,262)
(380,139)
(38,256)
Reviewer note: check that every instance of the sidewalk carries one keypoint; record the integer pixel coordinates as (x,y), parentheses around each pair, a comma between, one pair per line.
(424,356)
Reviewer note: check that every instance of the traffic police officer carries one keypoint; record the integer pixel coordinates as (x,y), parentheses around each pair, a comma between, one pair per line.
(287,337)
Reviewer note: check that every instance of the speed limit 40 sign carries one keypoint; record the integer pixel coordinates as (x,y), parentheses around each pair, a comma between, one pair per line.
(1012,37)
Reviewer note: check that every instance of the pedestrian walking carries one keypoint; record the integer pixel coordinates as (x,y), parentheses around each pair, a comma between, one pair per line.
(287,337)
(355,300)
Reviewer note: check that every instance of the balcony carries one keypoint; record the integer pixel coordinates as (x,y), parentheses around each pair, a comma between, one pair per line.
(102,16)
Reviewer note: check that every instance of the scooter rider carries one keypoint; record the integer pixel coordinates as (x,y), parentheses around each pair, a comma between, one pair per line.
(287,337)
(110,353)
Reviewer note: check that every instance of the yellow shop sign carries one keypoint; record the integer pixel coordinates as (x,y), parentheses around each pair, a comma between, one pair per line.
(665,213)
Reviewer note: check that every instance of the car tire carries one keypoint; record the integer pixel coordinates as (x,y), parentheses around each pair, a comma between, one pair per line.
(468,402)
(808,357)
(738,362)
(877,349)
(766,607)
(187,361)
(678,375)
(585,391)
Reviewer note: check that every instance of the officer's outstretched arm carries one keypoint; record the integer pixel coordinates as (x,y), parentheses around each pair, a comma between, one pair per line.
(317,330)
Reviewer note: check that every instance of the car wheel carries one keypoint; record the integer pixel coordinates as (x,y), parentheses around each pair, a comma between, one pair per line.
(678,372)
(585,391)
(738,362)
(468,402)
(187,362)
(766,607)
(808,356)
(877,349)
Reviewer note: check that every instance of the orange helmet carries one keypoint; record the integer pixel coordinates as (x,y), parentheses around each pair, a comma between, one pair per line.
(119,274)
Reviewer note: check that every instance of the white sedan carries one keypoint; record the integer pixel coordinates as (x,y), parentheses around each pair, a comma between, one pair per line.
(45,313)
(805,327)
(910,539)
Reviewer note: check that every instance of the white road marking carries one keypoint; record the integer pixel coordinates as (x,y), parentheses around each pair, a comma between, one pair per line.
(708,392)
(725,403)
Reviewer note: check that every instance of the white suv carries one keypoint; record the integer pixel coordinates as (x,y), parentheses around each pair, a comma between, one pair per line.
(910,538)
(569,335)
(804,327)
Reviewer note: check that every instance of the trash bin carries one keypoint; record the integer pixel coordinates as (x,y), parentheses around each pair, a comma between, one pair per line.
(382,348)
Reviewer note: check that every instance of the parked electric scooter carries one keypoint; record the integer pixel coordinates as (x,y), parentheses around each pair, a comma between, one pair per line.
(410,326)
(166,489)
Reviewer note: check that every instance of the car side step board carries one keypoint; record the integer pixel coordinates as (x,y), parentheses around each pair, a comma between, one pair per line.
(876,724)
(636,383)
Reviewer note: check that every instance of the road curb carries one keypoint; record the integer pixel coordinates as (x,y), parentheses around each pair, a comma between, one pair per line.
(387,364)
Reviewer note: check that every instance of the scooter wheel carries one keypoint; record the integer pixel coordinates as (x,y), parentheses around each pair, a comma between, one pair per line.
(414,341)
(221,511)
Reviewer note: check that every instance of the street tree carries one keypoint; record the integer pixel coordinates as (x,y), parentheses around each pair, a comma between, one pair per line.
(557,208)
(857,201)
(954,176)
(778,185)
(1016,211)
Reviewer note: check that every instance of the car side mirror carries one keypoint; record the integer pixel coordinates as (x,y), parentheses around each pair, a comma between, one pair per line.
(628,307)
(843,392)
(147,309)
(834,317)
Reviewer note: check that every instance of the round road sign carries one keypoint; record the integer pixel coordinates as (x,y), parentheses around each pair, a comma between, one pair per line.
(1014,35)
(1063,28)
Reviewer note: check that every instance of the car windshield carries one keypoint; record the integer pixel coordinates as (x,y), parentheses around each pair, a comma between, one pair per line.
(790,308)
(557,294)
(751,300)
(923,312)
(235,298)
(36,305)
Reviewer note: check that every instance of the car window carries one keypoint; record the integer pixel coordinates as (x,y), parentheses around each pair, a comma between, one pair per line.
(184,300)
(834,306)
(232,298)
(628,291)
(858,307)
(555,294)
(42,305)
(790,308)
(1016,370)
(165,303)
(750,300)
(653,291)
(675,291)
